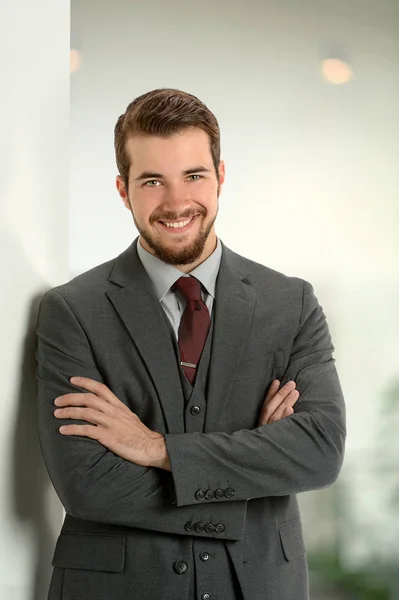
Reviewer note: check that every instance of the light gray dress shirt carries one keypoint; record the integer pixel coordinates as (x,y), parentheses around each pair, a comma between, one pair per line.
(163,276)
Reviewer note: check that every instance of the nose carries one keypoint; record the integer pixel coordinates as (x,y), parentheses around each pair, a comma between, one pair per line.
(175,198)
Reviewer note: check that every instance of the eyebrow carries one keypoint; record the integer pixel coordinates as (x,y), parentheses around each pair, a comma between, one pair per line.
(151,175)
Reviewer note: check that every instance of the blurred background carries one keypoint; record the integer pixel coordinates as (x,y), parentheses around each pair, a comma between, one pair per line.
(307,94)
(307,97)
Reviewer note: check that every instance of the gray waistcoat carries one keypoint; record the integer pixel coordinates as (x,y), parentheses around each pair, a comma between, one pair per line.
(211,570)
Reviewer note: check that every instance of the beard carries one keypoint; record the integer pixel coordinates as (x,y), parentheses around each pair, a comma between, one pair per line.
(177,256)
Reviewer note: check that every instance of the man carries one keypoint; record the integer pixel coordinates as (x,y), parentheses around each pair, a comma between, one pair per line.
(175,449)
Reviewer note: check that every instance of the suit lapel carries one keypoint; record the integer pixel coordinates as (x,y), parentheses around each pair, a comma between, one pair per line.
(141,313)
(234,307)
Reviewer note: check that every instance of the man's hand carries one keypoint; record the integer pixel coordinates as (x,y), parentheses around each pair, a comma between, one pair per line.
(112,424)
(278,404)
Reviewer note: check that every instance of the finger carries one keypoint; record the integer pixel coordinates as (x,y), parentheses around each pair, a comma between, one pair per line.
(272,389)
(82,414)
(98,388)
(288,412)
(285,409)
(83,399)
(287,403)
(90,431)
(88,401)
(272,405)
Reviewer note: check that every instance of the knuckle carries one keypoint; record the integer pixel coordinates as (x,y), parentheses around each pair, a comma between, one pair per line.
(87,430)
(89,414)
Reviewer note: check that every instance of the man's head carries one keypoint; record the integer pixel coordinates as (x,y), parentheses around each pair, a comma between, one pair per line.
(167,147)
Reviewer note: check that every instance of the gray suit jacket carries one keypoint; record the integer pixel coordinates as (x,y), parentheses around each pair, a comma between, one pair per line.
(126,525)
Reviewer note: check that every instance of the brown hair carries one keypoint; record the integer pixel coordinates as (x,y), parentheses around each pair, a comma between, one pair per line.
(164,112)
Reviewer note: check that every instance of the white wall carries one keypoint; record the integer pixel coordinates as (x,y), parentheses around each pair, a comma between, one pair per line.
(34,173)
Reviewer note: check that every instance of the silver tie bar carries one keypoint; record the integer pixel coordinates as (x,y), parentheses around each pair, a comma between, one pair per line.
(184,364)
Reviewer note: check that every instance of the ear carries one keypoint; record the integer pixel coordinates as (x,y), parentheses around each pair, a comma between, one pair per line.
(121,187)
(222,173)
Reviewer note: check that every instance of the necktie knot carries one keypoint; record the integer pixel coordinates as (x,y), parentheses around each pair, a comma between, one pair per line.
(190,288)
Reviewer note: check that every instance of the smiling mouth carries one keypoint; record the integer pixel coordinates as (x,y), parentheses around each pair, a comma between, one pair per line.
(178,225)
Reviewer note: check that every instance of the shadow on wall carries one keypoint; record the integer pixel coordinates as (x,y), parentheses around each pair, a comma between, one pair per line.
(35,502)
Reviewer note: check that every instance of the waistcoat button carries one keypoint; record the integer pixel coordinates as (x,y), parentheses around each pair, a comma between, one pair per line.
(180,567)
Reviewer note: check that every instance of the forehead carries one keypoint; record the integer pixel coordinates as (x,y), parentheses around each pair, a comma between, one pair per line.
(172,153)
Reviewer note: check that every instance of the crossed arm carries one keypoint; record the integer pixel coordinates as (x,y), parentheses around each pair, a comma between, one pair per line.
(99,477)
(116,427)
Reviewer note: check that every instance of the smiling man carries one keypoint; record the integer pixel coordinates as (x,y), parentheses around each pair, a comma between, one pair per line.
(167,383)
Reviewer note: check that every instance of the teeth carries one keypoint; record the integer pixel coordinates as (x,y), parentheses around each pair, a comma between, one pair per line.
(177,225)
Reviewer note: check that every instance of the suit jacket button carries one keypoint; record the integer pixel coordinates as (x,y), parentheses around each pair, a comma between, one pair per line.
(189,526)
(204,556)
(206,596)
(220,528)
(180,567)
(209,494)
(195,410)
(229,492)
(199,526)
(209,527)
(219,493)
(200,494)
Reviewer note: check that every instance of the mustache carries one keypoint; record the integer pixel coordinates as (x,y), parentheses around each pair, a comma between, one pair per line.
(169,216)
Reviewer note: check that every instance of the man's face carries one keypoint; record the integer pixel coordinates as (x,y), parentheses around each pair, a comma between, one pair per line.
(173,195)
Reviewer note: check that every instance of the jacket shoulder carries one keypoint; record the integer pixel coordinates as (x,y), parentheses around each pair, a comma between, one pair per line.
(87,285)
(261,275)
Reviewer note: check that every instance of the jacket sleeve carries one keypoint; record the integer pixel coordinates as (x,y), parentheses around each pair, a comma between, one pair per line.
(93,483)
(297,454)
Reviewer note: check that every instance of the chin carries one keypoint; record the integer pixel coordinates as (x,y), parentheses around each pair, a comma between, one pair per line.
(182,254)
(180,251)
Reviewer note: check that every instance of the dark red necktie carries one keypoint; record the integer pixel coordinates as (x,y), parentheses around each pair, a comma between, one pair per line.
(194,325)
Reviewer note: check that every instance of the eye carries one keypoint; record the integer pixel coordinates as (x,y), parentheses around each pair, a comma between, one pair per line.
(146,184)
(198,177)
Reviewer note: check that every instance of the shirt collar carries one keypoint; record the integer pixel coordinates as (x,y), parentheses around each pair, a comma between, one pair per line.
(163,276)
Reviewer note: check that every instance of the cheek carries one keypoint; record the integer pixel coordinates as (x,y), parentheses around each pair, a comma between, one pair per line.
(144,204)
(206,193)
